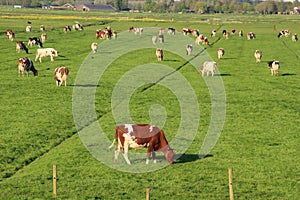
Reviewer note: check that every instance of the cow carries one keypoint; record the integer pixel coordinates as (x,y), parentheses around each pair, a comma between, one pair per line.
(61,75)
(114,34)
(43,37)
(77,27)
(294,37)
(159,54)
(224,32)
(28,29)
(257,55)
(240,33)
(40,53)
(28,66)
(161,37)
(187,31)
(21,46)
(220,53)
(285,33)
(189,49)
(154,40)
(35,40)
(208,67)
(94,47)
(274,67)
(251,36)
(171,31)
(42,28)
(67,28)
(10,34)
(20,66)
(213,33)
(232,31)
(136,30)
(139,136)
(195,33)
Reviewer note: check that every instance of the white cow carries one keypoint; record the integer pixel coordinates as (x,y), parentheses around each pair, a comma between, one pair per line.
(208,67)
(94,47)
(40,53)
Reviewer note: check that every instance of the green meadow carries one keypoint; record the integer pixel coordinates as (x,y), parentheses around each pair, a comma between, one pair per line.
(259,138)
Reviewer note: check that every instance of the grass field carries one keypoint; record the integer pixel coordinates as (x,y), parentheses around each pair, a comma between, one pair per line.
(259,139)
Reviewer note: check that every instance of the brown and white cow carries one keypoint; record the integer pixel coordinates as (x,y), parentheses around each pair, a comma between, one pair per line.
(43,37)
(10,34)
(208,67)
(220,53)
(240,33)
(251,36)
(94,47)
(213,33)
(20,66)
(274,67)
(258,56)
(61,75)
(159,54)
(139,136)
(40,53)
(285,33)
(136,30)
(21,46)
(42,28)
(77,27)
(187,31)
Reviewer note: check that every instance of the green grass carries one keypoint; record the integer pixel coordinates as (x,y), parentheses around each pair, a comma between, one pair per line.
(259,140)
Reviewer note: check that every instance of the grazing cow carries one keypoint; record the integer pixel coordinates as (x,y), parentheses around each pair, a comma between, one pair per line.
(189,49)
(67,28)
(241,33)
(28,29)
(136,30)
(220,53)
(21,46)
(213,33)
(161,37)
(232,31)
(20,66)
(154,40)
(61,75)
(42,28)
(40,53)
(10,34)
(274,67)
(28,66)
(224,32)
(285,32)
(208,67)
(195,33)
(171,31)
(44,37)
(187,31)
(251,36)
(77,27)
(257,55)
(294,37)
(35,40)
(139,136)
(159,54)
(200,38)
(94,47)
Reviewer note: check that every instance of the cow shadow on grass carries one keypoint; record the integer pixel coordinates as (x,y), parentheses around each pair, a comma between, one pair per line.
(288,74)
(85,85)
(184,158)
(222,74)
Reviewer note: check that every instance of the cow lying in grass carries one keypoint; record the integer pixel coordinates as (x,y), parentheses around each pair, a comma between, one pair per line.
(139,136)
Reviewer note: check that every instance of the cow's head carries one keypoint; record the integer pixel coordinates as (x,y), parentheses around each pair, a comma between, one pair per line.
(54,53)
(169,155)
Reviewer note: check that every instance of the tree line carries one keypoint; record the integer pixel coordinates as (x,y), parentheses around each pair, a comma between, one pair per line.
(167,6)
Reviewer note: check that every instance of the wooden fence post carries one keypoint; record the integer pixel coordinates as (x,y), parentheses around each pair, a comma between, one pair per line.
(148,194)
(54,180)
(230,184)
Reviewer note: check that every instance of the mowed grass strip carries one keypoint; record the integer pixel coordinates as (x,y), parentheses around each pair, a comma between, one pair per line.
(259,140)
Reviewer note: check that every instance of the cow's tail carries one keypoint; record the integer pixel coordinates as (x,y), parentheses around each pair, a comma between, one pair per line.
(112,144)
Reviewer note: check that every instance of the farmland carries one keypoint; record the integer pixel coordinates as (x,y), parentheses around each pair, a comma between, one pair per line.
(259,137)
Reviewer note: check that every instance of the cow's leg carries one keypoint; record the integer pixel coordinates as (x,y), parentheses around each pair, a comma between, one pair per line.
(126,147)
(51,58)
(117,151)
(154,156)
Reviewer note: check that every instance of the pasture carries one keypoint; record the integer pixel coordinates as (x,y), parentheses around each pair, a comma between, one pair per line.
(259,139)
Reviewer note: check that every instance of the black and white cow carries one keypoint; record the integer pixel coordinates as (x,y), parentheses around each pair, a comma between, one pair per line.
(274,67)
